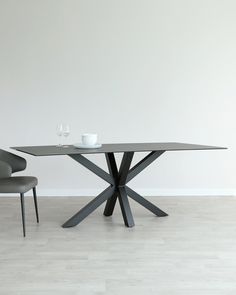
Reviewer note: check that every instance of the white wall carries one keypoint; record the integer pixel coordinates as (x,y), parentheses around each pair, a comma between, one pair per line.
(130,70)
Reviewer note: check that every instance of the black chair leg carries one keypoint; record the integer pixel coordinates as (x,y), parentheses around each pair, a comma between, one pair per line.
(36,204)
(23,212)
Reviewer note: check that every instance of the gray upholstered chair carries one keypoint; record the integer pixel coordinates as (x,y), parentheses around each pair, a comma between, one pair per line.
(10,163)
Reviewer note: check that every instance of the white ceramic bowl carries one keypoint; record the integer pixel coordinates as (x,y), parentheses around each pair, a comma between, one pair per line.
(89,138)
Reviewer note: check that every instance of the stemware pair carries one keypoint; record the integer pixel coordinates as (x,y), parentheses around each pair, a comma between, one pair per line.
(63,130)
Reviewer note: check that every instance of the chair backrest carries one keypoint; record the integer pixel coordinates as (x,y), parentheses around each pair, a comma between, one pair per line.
(17,163)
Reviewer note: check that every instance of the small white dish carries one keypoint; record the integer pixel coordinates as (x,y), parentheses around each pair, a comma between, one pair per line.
(85,146)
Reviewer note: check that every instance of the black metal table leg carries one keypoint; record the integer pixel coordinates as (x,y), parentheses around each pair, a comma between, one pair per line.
(110,205)
(93,167)
(145,203)
(120,179)
(118,188)
(141,165)
(125,207)
(112,167)
(89,208)
(124,168)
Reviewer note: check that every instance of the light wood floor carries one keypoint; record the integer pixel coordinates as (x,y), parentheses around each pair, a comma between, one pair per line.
(192,251)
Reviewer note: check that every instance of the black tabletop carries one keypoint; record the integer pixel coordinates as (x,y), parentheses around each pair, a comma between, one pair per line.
(113,148)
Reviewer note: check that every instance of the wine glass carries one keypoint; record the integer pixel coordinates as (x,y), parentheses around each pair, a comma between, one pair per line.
(60,133)
(66,132)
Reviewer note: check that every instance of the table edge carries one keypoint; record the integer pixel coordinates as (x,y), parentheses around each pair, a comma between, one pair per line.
(97,151)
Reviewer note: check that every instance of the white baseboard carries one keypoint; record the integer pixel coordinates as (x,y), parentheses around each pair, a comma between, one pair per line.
(142,191)
(187,192)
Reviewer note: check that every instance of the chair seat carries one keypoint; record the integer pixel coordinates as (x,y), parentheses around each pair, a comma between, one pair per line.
(17,184)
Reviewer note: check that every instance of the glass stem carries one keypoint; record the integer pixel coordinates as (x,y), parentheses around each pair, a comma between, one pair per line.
(60,140)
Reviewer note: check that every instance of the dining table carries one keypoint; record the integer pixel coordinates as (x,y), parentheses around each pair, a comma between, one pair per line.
(116,177)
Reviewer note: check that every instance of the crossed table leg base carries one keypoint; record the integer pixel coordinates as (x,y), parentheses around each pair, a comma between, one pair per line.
(117,189)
